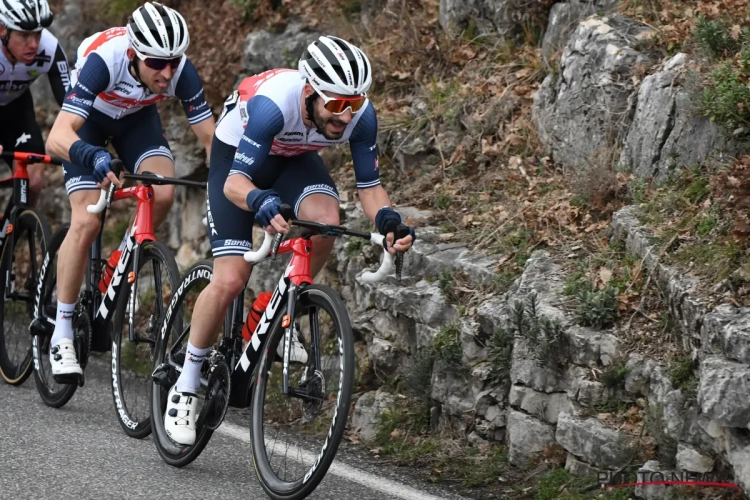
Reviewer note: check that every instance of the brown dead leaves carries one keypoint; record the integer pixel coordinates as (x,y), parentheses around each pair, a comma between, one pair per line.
(731,189)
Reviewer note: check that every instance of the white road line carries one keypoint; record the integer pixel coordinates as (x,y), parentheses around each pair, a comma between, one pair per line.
(371,481)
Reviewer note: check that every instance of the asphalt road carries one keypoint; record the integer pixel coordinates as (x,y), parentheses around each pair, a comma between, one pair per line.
(80,452)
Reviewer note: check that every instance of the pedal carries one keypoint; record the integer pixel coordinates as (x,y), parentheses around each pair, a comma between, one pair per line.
(165,375)
(69,379)
(41,327)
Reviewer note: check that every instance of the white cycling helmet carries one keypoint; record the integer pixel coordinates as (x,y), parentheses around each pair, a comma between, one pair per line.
(25,15)
(334,65)
(157,31)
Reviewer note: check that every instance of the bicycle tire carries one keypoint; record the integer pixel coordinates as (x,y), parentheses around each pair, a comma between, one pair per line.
(150,251)
(28,222)
(326,298)
(173,454)
(52,394)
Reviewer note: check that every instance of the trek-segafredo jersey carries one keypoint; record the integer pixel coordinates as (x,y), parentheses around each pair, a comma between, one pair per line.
(101,79)
(15,79)
(264,116)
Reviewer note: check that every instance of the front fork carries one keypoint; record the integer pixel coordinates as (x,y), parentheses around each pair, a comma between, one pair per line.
(134,290)
(291,302)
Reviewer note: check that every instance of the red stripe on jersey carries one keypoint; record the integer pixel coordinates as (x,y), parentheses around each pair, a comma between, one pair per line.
(250,85)
(103,38)
(126,102)
(281,149)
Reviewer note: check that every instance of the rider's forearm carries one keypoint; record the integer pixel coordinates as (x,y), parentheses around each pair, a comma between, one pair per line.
(59,142)
(236,189)
(63,135)
(373,199)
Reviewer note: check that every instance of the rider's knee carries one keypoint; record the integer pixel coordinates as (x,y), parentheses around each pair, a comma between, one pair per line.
(36,181)
(83,225)
(227,286)
(164,196)
(325,211)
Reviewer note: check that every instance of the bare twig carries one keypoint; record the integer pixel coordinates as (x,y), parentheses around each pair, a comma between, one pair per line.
(639,309)
(437,144)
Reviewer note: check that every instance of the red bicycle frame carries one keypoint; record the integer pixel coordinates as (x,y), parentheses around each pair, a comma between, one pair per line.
(298,269)
(20,178)
(143,227)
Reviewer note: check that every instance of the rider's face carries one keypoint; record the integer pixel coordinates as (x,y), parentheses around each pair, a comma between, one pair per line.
(157,81)
(23,44)
(333,126)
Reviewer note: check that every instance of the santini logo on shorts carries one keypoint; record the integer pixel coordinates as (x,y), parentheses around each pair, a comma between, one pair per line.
(250,141)
(243,158)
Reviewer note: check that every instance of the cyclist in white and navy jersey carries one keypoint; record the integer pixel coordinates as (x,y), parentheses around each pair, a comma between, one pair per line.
(265,153)
(119,76)
(28,51)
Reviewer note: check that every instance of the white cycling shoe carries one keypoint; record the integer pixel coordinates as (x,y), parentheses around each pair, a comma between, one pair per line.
(297,354)
(179,419)
(65,367)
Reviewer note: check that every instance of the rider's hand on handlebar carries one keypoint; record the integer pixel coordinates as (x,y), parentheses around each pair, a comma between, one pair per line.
(102,172)
(401,245)
(278,225)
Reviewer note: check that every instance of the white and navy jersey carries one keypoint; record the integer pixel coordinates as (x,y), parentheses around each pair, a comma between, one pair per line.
(101,80)
(264,116)
(15,79)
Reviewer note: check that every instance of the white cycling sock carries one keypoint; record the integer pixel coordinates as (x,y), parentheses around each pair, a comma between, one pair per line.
(190,378)
(63,323)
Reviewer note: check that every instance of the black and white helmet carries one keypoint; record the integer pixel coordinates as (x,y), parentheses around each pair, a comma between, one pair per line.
(157,31)
(334,65)
(25,15)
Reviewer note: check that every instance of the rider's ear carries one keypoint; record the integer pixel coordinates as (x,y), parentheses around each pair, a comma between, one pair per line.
(130,53)
(308,90)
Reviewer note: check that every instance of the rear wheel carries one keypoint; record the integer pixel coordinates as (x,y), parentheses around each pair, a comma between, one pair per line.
(295,438)
(132,362)
(170,339)
(52,393)
(21,259)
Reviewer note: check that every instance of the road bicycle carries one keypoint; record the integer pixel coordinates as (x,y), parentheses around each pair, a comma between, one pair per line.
(293,404)
(23,242)
(123,317)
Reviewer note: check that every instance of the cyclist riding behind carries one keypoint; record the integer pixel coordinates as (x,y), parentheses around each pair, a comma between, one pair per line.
(119,76)
(264,154)
(28,51)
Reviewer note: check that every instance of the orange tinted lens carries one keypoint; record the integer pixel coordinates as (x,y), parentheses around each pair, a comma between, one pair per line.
(340,105)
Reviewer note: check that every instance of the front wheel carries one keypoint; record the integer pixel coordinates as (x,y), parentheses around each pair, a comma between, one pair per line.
(157,279)
(171,344)
(295,438)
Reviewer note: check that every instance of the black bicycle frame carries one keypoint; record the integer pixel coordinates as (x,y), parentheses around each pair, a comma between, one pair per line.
(101,307)
(20,199)
(15,204)
(243,365)
(284,297)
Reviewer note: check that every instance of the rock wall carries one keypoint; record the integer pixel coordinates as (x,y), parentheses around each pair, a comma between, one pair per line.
(608,98)
(605,94)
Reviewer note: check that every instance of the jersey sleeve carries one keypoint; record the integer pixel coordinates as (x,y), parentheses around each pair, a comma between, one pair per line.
(190,91)
(364,147)
(93,78)
(266,121)
(59,79)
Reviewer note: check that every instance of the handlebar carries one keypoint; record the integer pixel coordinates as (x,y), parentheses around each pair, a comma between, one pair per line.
(271,244)
(147,178)
(30,157)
